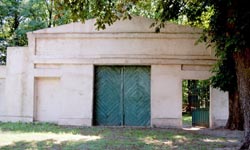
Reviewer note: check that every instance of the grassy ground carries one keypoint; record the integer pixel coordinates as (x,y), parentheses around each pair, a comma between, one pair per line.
(37,136)
(187,119)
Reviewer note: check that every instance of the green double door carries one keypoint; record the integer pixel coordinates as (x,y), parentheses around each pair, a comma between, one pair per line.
(122,96)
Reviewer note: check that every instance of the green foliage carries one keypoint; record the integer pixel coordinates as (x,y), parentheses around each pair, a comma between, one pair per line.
(17,17)
(230,31)
(107,12)
(202,21)
(199,88)
(230,26)
(185,91)
(187,119)
(224,74)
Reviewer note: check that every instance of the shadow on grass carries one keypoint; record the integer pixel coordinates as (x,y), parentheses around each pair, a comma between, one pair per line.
(103,144)
(41,145)
(67,145)
(46,127)
(98,138)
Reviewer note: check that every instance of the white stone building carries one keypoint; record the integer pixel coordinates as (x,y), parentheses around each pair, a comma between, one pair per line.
(58,77)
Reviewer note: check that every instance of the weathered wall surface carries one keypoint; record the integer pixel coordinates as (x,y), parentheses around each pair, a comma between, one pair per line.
(48,103)
(97,46)
(13,106)
(77,95)
(218,108)
(166,97)
(53,79)
(2,87)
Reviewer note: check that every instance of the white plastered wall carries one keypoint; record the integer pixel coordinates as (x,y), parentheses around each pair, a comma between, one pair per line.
(219,104)
(58,67)
(77,95)
(47,103)
(69,88)
(219,108)
(2,88)
(166,95)
(14,107)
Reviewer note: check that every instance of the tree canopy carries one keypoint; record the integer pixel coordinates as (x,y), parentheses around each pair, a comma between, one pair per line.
(17,17)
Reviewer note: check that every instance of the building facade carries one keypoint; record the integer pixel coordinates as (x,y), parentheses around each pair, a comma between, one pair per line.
(126,75)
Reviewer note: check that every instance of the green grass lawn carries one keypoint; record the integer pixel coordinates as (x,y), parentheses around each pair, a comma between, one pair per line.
(187,119)
(38,136)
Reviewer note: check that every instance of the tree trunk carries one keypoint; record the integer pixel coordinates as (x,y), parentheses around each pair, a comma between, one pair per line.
(235,120)
(192,94)
(242,60)
(49,5)
(189,97)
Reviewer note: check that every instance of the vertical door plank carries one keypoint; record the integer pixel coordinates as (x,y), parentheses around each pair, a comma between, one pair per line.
(107,96)
(137,96)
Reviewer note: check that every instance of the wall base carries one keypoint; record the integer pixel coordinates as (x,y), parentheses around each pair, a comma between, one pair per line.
(218,123)
(75,121)
(15,119)
(166,122)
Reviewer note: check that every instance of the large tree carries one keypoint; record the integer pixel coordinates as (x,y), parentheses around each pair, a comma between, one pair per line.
(228,31)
